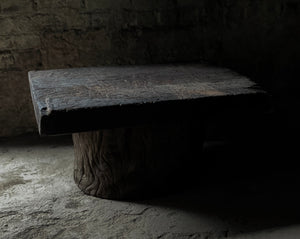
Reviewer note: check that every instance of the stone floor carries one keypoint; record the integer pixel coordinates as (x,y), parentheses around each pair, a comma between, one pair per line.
(38,198)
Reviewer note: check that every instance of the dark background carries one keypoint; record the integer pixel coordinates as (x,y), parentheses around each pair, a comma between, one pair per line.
(258,38)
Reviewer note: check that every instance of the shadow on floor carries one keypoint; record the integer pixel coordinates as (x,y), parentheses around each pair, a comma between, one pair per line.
(247,178)
(250,180)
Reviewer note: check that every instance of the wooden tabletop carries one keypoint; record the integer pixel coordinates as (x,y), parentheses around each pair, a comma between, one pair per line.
(81,99)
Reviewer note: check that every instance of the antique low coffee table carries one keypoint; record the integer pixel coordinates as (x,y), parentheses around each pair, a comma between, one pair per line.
(136,128)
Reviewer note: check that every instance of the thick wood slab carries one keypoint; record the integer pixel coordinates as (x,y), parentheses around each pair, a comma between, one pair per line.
(82,99)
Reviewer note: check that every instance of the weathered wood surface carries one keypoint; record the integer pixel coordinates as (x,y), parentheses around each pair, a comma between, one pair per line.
(136,161)
(81,99)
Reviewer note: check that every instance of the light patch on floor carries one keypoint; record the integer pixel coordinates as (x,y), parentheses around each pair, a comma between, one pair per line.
(39,199)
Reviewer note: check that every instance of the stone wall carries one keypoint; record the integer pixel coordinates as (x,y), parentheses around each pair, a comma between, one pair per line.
(259,38)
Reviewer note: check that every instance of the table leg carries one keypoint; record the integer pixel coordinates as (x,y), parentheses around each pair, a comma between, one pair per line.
(134,161)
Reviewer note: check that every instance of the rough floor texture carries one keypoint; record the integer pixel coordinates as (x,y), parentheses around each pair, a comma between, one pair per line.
(38,199)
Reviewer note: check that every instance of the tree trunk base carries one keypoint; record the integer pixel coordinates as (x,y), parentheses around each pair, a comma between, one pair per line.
(136,161)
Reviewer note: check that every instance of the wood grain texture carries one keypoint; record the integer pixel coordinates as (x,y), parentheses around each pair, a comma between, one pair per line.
(99,97)
(135,161)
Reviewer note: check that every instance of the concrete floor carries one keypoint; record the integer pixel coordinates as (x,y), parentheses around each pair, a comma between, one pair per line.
(38,199)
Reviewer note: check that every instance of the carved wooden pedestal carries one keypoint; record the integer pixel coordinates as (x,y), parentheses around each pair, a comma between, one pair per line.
(131,162)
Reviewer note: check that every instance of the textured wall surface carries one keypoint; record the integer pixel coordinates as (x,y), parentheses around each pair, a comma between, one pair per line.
(259,38)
